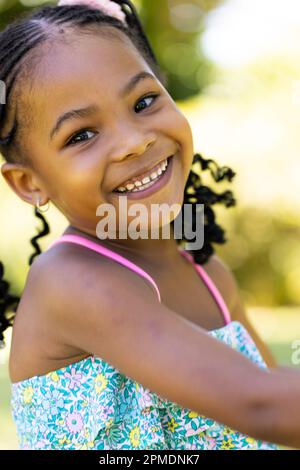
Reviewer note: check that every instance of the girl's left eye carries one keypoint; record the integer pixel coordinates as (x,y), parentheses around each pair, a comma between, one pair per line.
(154,97)
(72,141)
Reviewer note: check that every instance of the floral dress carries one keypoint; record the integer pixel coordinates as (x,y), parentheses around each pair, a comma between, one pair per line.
(91,405)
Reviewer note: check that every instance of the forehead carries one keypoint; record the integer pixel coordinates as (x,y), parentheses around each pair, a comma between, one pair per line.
(82,68)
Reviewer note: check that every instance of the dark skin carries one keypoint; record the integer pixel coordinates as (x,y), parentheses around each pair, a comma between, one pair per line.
(76,303)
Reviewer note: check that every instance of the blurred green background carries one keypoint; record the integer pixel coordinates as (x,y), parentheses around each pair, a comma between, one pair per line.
(233,68)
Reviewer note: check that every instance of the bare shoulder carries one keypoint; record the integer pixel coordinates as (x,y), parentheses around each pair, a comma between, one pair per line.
(223,278)
(74,281)
(69,272)
(69,289)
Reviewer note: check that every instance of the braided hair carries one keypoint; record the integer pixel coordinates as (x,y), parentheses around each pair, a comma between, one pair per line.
(19,47)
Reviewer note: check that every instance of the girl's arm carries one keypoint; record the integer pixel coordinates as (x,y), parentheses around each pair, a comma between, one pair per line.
(104,309)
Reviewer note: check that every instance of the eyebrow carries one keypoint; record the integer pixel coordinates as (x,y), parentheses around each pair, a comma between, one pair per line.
(92,109)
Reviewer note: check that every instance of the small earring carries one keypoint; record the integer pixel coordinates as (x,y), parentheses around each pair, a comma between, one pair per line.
(38,207)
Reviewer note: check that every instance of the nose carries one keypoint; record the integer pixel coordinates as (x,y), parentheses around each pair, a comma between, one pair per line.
(132,143)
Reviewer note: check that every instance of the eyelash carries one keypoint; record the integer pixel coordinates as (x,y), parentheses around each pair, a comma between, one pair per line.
(83,131)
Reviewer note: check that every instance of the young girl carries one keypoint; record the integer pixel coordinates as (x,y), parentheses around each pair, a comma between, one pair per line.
(122,343)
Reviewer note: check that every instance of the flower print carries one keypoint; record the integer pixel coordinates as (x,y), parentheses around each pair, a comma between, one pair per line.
(117,413)
(27,395)
(106,412)
(87,435)
(108,423)
(227,445)
(54,376)
(89,443)
(42,415)
(74,422)
(64,440)
(145,397)
(43,444)
(193,447)
(251,441)
(100,383)
(210,442)
(172,425)
(42,428)
(74,378)
(53,400)
(134,436)
(227,431)
(153,431)
(146,411)
(130,402)
(191,432)
(155,428)
(26,446)
(123,410)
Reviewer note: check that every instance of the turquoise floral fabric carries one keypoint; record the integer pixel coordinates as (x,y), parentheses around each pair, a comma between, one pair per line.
(90,405)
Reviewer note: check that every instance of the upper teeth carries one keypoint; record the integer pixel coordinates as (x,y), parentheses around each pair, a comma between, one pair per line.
(139,184)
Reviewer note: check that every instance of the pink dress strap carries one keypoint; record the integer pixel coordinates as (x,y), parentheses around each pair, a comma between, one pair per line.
(109,253)
(211,286)
(120,259)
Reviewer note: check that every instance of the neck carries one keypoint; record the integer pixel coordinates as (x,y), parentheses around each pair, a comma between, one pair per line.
(158,252)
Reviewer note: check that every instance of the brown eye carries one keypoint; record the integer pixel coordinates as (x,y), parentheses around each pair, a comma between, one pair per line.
(72,141)
(153,97)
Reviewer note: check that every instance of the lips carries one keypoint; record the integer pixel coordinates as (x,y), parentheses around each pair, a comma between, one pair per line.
(155,187)
(140,174)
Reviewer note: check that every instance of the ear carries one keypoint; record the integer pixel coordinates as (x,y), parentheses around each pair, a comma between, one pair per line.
(23,182)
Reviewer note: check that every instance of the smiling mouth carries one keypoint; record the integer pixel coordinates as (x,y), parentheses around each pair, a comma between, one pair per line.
(147,180)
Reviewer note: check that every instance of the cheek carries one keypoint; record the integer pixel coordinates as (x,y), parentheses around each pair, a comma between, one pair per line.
(189,142)
(180,128)
(183,134)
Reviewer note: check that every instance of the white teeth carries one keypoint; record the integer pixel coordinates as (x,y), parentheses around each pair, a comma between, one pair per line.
(145,182)
(144,187)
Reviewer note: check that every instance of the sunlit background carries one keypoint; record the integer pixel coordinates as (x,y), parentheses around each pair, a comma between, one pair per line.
(234,70)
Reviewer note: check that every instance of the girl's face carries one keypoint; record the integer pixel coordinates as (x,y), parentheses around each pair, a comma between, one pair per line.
(126,127)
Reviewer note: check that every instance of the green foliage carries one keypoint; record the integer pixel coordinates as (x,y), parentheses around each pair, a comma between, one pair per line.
(263,251)
(174,29)
(9,11)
